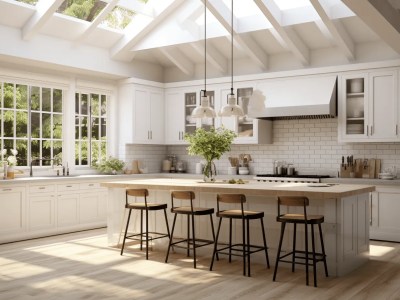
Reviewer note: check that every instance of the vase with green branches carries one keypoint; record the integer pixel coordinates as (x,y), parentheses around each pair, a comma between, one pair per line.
(210,144)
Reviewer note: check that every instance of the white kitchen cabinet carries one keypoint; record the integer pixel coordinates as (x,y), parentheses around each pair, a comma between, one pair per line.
(92,207)
(174,117)
(148,116)
(42,211)
(12,211)
(67,210)
(368,107)
(385,205)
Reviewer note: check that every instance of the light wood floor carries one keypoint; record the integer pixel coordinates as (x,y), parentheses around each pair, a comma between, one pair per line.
(81,266)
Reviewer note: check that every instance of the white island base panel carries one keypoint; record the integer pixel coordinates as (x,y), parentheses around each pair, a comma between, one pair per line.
(345,230)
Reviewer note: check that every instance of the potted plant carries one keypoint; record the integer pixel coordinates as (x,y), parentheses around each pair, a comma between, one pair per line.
(210,144)
(110,166)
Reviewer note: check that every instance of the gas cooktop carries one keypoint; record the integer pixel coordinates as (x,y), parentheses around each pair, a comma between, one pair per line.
(293,176)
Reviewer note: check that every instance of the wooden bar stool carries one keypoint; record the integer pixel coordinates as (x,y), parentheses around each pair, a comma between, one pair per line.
(245,249)
(146,207)
(191,211)
(303,256)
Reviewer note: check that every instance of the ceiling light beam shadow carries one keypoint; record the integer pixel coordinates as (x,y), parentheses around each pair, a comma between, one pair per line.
(272,12)
(335,28)
(380,17)
(222,13)
(179,59)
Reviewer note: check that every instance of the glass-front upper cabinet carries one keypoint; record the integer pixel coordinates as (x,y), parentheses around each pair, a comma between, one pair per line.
(192,100)
(354,110)
(245,123)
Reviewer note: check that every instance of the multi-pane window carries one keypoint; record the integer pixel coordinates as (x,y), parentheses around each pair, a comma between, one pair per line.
(90,128)
(31,121)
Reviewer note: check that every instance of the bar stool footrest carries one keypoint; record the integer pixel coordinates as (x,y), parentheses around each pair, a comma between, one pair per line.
(318,257)
(136,236)
(198,243)
(239,248)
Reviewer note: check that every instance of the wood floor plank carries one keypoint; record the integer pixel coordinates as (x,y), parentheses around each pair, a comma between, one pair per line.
(82,266)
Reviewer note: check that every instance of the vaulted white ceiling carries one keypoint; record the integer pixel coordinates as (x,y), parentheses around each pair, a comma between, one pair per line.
(268,35)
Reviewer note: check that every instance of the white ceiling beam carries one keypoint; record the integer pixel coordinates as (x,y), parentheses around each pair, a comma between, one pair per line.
(179,59)
(335,29)
(100,17)
(138,7)
(380,17)
(272,12)
(214,57)
(136,30)
(223,14)
(44,11)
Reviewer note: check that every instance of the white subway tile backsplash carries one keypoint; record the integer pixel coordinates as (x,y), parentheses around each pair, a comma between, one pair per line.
(311,145)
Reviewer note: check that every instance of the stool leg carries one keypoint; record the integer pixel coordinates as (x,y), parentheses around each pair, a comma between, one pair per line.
(248,247)
(215,244)
(170,239)
(306,246)
(294,246)
(314,257)
(166,223)
(188,236)
(244,246)
(283,225)
(230,239)
(147,234)
(141,229)
(126,231)
(265,241)
(213,232)
(194,243)
(323,249)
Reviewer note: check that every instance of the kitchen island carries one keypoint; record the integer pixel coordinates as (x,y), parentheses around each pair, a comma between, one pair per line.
(345,207)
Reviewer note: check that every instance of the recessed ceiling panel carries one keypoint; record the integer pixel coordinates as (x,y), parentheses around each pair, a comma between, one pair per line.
(311,35)
(358,31)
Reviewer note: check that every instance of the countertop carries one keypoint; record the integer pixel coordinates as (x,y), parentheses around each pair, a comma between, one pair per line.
(249,188)
(40,179)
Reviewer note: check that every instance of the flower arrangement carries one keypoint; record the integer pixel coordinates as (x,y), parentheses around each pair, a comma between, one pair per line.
(12,159)
(110,166)
(210,144)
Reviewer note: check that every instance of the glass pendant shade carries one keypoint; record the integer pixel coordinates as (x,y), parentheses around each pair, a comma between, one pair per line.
(204,110)
(232,109)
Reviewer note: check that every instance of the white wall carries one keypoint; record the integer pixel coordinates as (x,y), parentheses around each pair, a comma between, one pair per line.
(310,144)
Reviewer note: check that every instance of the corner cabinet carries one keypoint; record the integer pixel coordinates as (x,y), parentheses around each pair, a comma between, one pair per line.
(368,107)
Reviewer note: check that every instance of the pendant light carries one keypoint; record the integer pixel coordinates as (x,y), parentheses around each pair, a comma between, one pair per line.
(232,109)
(204,110)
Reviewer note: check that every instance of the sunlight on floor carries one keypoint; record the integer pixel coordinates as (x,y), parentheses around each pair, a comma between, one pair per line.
(10,269)
(378,251)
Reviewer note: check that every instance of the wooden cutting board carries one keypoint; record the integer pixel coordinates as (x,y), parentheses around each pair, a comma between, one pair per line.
(371,168)
(377,167)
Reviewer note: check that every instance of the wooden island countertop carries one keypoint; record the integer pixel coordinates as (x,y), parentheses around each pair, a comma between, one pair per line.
(312,190)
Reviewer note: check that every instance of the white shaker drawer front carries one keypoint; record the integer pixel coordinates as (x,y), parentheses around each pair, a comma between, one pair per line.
(42,188)
(90,185)
(67,187)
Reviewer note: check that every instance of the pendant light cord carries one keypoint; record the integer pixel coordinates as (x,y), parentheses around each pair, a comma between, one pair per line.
(205,46)
(232,48)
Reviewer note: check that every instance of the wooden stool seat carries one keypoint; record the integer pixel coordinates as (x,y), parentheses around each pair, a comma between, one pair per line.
(303,257)
(244,249)
(143,207)
(190,211)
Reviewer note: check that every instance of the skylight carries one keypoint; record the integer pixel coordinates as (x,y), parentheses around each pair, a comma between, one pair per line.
(243,8)
(31,2)
(289,4)
(118,18)
(85,10)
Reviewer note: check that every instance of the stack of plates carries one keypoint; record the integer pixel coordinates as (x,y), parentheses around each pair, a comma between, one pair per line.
(355,128)
(386,176)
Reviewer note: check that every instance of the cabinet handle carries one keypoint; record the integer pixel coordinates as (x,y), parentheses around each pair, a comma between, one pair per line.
(91,184)
(42,188)
(370,209)
(397,129)
(367,131)
(372,129)
(5,190)
(151,134)
(179,135)
(68,186)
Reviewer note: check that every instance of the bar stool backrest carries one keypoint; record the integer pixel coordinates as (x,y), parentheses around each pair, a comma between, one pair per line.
(137,193)
(293,201)
(183,195)
(231,198)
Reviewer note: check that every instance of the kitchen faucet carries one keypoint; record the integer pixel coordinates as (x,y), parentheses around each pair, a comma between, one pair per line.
(55,160)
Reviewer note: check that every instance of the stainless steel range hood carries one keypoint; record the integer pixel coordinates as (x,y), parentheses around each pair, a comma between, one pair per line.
(304,97)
